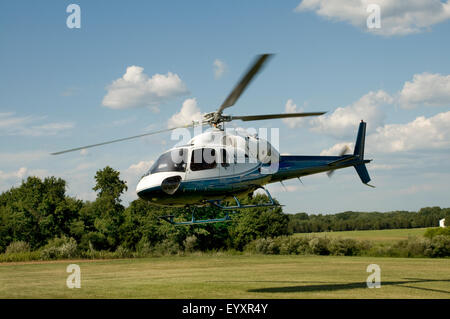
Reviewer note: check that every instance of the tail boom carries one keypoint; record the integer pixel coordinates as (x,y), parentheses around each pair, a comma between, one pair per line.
(293,166)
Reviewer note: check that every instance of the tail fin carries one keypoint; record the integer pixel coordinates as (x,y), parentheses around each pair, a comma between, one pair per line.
(360,140)
(359,151)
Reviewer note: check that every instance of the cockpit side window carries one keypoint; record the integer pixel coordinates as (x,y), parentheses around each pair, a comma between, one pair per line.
(172,161)
(203,158)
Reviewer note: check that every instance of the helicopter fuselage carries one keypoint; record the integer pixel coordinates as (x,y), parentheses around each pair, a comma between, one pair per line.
(205,170)
(212,166)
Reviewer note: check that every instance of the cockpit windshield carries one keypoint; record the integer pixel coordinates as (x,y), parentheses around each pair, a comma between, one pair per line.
(172,161)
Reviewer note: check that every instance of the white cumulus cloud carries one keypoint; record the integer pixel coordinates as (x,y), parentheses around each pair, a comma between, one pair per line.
(19,174)
(426,89)
(219,68)
(15,177)
(291,107)
(137,89)
(139,168)
(421,134)
(398,17)
(189,112)
(132,176)
(337,149)
(344,120)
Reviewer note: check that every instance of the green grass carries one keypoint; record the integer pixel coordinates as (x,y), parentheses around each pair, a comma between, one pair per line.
(227,276)
(380,236)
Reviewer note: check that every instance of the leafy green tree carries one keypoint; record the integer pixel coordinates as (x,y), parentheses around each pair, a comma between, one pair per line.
(36,211)
(259,222)
(109,184)
(103,218)
(141,222)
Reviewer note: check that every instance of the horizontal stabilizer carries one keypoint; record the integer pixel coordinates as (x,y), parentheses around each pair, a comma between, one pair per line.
(342,160)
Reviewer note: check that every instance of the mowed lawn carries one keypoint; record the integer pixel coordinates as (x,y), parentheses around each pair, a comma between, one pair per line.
(380,236)
(230,276)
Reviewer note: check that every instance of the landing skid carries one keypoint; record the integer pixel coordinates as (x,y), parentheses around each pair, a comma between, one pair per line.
(217,203)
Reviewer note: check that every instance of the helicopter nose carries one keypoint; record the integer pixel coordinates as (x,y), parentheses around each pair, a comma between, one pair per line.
(159,184)
(146,184)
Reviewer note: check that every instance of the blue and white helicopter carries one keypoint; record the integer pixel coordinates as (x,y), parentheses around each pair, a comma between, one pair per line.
(221,165)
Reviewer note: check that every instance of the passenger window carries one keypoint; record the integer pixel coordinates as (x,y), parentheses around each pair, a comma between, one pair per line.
(241,157)
(204,158)
(225,159)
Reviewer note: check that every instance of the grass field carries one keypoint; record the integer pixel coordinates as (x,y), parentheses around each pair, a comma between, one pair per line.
(228,276)
(380,236)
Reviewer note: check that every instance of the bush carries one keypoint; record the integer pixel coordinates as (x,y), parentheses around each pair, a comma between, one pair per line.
(417,247)
(319,246)
(190,243)
(288,245)
(18,247)
(20,256)
(59,248)
(262,246)
(122,252)
(143,248)
(432,232)
(440,246)
(344,247)
(166,247)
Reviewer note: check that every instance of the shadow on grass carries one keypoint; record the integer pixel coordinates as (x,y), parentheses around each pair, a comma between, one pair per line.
(348,286)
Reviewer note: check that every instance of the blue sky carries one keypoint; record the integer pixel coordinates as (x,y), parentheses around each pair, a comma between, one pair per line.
(54,82)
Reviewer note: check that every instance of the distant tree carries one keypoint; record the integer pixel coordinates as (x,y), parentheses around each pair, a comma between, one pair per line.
(425,217)
(36,211)
(103,218)
(109,184)
(141,222)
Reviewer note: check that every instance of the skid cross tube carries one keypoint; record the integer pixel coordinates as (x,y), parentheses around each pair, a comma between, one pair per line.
(228,209)
(271,203)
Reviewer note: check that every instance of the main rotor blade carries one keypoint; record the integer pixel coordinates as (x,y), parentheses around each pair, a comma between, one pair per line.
(124,139)
(274,116)
(243,83)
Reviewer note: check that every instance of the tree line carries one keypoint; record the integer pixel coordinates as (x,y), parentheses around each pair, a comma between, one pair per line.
(39,213)
(425,217)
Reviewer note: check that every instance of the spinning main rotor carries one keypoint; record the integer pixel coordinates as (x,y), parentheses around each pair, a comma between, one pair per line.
(216,118)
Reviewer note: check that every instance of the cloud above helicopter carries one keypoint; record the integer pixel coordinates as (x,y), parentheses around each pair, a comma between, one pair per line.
(421,134)
(189,112)
(397,17)
(219,68)
(137,89)
(425,89)
(291,107)
(343,120)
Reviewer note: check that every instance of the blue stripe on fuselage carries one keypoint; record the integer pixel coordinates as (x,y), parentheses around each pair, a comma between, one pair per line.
(226,183)
(292,166)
